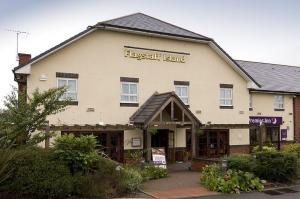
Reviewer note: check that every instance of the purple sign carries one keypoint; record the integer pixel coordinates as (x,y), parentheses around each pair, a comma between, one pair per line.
(283,133)
(265,120)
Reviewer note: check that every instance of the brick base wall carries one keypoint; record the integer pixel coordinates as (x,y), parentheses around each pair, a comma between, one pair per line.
(239,149)
(297,117)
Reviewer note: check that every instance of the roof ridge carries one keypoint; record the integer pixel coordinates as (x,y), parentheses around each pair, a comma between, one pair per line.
(268,63)
(174,25)
(105,21)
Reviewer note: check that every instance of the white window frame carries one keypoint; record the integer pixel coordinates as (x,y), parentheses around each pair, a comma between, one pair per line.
(67,79)
(187,93)
(277,103)
(137,92)
(250,100)
(231,97)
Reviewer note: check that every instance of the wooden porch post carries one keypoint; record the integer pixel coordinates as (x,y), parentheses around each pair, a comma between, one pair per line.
(193,140)
(147,145)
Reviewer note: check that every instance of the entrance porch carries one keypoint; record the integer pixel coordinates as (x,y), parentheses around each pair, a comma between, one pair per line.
(164,119)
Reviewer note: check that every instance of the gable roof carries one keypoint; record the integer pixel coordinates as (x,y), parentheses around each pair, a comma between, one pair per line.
(143,22)
(273,77)
(152,106)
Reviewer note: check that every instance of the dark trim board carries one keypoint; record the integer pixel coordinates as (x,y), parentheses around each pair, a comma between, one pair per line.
(226,107)
(226,86)
(129,104)
(129,79)
(152,49)
(278,109)
(67,75)
(182,83)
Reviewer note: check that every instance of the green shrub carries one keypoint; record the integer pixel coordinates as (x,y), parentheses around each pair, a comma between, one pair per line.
(96,185)
(229,182)
(130,179)
(240,162)
(78,152)
(276,166)
(37,173)
(150,172)
(256,149)
(291,148)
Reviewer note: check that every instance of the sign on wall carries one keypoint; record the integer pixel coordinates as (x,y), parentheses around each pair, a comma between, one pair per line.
(265,120)
(283,133)
(159,157)
(156,55)
(136,142)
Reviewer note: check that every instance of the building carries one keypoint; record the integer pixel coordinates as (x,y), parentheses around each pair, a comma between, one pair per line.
(137,82)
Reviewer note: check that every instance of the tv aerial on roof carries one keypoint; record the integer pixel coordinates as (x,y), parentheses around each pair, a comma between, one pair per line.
(17,32)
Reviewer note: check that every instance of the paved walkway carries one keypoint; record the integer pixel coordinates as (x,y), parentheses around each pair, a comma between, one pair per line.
(179,184)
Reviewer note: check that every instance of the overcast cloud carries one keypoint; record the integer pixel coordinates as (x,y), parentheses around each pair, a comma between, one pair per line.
(255,30)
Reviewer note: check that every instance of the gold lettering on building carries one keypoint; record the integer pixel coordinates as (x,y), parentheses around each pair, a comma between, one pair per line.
(142,55)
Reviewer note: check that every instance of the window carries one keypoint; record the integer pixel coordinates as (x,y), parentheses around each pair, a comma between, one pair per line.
(226,97)
(71,85)
(278,102)
(182,92)
(250,102)
(129,92)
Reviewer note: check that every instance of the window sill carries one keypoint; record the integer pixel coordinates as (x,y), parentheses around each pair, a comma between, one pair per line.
(278,109)
(129,104)
(226,107)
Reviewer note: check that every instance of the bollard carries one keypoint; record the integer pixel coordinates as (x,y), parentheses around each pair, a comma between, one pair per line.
(224,165)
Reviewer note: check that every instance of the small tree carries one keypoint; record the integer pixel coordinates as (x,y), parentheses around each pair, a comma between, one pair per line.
(24,116)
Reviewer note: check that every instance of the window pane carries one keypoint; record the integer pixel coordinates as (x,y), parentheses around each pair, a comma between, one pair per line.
(228,93)
(184,91)
(124,98)
(72,85)
(71,96)
(222,93)
(133,89)
(222,102)
(185,100)
(125,88)
(62,83)
(178,90)
(133,98)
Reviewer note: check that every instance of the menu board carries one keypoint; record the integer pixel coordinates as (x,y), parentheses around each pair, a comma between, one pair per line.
(159,157)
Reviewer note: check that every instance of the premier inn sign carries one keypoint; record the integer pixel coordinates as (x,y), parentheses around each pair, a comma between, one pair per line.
(153,55)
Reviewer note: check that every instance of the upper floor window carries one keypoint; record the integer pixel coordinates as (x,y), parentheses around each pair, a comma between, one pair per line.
(182,91)
(129,90)
(278,102)
(226,95)
(68,80)
(250,101)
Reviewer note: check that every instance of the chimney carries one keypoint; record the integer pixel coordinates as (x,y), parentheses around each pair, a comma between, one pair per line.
(23,58)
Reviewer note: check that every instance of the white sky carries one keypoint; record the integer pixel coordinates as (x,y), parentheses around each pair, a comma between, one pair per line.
(252,30)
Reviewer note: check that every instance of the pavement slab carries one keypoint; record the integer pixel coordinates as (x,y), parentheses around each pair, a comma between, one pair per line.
(183,184)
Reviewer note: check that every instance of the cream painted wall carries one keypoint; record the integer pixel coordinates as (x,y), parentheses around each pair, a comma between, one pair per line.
(128,135)
(239,137)
(99,60)
(180,137)
(263,105)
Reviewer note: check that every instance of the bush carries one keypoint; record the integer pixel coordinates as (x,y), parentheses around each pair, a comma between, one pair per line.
(37,173)
(276,166)
(78,152)
(240,162)
(150,172)
(291,148)
(264,149)
(230,182)
(130,179)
